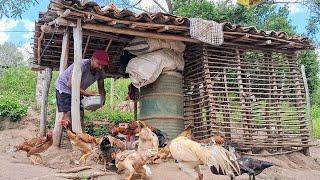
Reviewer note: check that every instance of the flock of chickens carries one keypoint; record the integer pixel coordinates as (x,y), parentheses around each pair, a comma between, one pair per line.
(152,146)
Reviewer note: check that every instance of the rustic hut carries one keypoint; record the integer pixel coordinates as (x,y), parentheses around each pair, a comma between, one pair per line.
(250,88)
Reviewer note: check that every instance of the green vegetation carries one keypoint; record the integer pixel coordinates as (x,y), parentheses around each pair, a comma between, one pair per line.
(18,94)
(12,108)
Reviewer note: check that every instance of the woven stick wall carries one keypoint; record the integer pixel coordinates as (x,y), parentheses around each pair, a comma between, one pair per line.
(254,97)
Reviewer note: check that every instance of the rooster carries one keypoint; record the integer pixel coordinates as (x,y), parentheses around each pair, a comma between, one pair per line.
(147,139)
(81,141)
(35,146)
(248,165)
(135,162)
(136,126)
(191,154)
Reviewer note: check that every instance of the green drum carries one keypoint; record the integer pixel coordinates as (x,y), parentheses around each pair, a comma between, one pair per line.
(161,103)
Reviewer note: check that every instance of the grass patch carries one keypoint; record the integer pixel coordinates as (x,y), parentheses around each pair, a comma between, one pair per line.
(315,113)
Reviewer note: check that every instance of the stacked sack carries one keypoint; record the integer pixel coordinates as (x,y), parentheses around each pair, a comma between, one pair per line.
(153,57)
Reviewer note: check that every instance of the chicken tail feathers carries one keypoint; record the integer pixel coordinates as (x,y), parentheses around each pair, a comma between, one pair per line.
(221,161)
(148,171)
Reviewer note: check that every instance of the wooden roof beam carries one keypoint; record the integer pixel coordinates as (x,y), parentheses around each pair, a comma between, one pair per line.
(265,43)
(164,28)
(246,36)
(138,33)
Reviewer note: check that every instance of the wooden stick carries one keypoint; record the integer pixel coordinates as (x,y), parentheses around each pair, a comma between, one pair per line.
(85,48)
(108,46)
(39,47)
(138,33)
(112,84)
(81,176)
(74,170)
(57,131)
(305,83)
(76,79)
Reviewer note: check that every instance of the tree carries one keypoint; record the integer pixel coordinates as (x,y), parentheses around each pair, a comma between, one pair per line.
(10,56)
(15,8)
(314,19)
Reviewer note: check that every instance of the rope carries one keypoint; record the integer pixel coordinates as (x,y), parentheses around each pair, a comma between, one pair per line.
(55,30)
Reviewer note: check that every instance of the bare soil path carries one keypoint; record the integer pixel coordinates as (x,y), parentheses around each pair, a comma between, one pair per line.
(16,166)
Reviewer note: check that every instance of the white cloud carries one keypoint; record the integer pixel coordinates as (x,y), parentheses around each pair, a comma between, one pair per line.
(6,25)
(27,51)
(29,26)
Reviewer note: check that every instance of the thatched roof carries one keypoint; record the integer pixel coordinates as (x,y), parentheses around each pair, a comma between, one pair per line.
(100,25)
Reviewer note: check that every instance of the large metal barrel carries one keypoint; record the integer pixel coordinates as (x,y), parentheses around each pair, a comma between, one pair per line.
(161,103)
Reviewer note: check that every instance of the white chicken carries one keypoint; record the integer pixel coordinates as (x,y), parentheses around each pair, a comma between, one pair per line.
(147,139)
(191,154)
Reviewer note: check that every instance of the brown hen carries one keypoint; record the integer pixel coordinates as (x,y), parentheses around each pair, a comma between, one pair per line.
(80,140)
(35,146)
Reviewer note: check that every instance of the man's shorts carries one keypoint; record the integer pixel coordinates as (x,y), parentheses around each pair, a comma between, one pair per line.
(64,102)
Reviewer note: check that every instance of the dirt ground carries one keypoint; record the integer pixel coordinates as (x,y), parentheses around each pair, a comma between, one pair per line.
(16,166)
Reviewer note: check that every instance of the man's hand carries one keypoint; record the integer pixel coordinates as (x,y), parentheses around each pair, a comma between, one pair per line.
(94,94)
(87,94)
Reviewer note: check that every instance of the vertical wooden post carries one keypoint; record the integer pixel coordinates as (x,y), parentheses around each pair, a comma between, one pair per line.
(39,88)
(227,111)
(208,90)
(76,78)
(306,88)
(247,135)
(44,101)
(111,92)
(299,107)
(135,105)
(57,131)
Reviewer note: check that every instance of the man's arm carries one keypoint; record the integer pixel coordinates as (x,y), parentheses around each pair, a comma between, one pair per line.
(101,89)
(82,91)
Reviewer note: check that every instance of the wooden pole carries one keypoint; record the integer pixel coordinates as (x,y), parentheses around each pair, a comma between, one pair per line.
(138,33)
(76,78)
(135,105)
(305,83)
(57,131)
(85,48)
(111,92)
(112,80)
(303,128)
(44,101)
(39,88)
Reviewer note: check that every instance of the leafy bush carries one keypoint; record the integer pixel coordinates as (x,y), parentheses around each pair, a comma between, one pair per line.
(98,131)
(19,83)
(315,112)
(114,116)
(11,108)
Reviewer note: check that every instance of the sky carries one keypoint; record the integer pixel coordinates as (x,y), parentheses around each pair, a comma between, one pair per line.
(298,15)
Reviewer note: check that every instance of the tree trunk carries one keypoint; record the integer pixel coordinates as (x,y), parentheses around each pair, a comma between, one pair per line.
(44,101)
(39,88)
